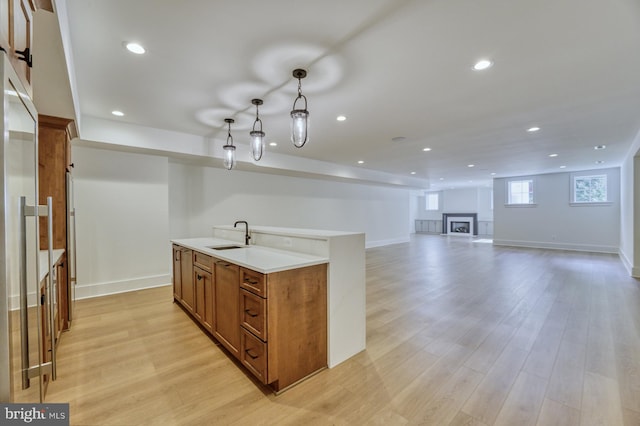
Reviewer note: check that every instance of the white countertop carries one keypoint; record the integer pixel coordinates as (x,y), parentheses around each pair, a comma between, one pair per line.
(44,261)
(293,232)
(261,259)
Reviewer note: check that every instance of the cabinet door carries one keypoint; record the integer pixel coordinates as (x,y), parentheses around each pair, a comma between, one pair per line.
(226,312)
(177,273)
(61,281)
(186,271)
(202,281)
(20,39)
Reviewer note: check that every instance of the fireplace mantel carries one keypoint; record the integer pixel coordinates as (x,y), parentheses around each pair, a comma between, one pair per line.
(446,216)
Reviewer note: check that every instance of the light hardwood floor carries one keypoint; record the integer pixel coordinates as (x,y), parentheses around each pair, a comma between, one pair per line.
(458,333)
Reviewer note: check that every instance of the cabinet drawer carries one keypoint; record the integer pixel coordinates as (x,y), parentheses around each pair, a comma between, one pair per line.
(253,314)
(253,355)
(202,260)
(253,281)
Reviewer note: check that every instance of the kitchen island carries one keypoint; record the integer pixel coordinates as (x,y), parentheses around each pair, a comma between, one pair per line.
(266,307)
(339,258)
(346,280)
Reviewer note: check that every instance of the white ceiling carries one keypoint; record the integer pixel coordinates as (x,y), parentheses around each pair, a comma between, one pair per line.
(394,68)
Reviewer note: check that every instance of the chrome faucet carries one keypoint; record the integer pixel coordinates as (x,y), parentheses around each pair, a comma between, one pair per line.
(247,237)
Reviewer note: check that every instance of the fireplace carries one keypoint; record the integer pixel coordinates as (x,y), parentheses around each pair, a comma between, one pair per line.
(460,224)
(460,227)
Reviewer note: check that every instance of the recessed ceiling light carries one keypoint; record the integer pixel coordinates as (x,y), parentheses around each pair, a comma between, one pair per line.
(441,178)
(341,118)
(553,155)
(471,165)
(413,173)
(563,167)
(482,64)
(135,48)
(493,174)
(117,113)
(599,147)
(360,162)
(600,162)
(426,149)
(273,144)
(533,129)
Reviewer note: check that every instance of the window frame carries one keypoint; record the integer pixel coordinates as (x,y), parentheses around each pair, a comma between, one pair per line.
(574,177)
(508,197)
(426,203)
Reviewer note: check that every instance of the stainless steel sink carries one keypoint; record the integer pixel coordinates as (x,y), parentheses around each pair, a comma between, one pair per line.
(225,247)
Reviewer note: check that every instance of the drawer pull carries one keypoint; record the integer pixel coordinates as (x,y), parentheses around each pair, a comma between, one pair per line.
(251,314)
(252,282)
(199,277)
(250,353)
(223,263)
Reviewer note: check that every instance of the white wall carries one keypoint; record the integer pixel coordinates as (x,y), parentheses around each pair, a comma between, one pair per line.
(129,206)
(461,200)
(630,203)
(219,197)
(122,221)
(553,222)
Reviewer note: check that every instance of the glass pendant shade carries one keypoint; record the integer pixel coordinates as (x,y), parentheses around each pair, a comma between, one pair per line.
(299,116)
(257,135)
(257,144)
(229,156)
(299,127)
(229,149)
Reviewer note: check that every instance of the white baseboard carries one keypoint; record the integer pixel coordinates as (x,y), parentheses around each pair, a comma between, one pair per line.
(626,262)
(380,243)
(558,246)
(85,291)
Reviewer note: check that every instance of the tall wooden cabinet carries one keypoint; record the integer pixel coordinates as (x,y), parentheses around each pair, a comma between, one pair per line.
(54,161)
(16,35)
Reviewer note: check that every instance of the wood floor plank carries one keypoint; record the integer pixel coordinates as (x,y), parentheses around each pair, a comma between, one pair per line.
(516,336)
(486,401)
(566,381)
(524,402)
(556,414)
(601,403)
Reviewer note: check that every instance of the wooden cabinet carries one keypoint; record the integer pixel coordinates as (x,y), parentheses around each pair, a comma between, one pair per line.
(253,314)
(54,161)
(226,315)
(275,324)
(203,287)
(284,324)
(177,273)
(203,283)
(187,298)
(16,33)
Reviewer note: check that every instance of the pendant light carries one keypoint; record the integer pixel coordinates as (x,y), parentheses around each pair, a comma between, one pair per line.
(257,136)
(229,149)
(299,117)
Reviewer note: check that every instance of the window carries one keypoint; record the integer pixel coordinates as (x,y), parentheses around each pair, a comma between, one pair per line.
(590,189)
(520,191)
(433,201)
